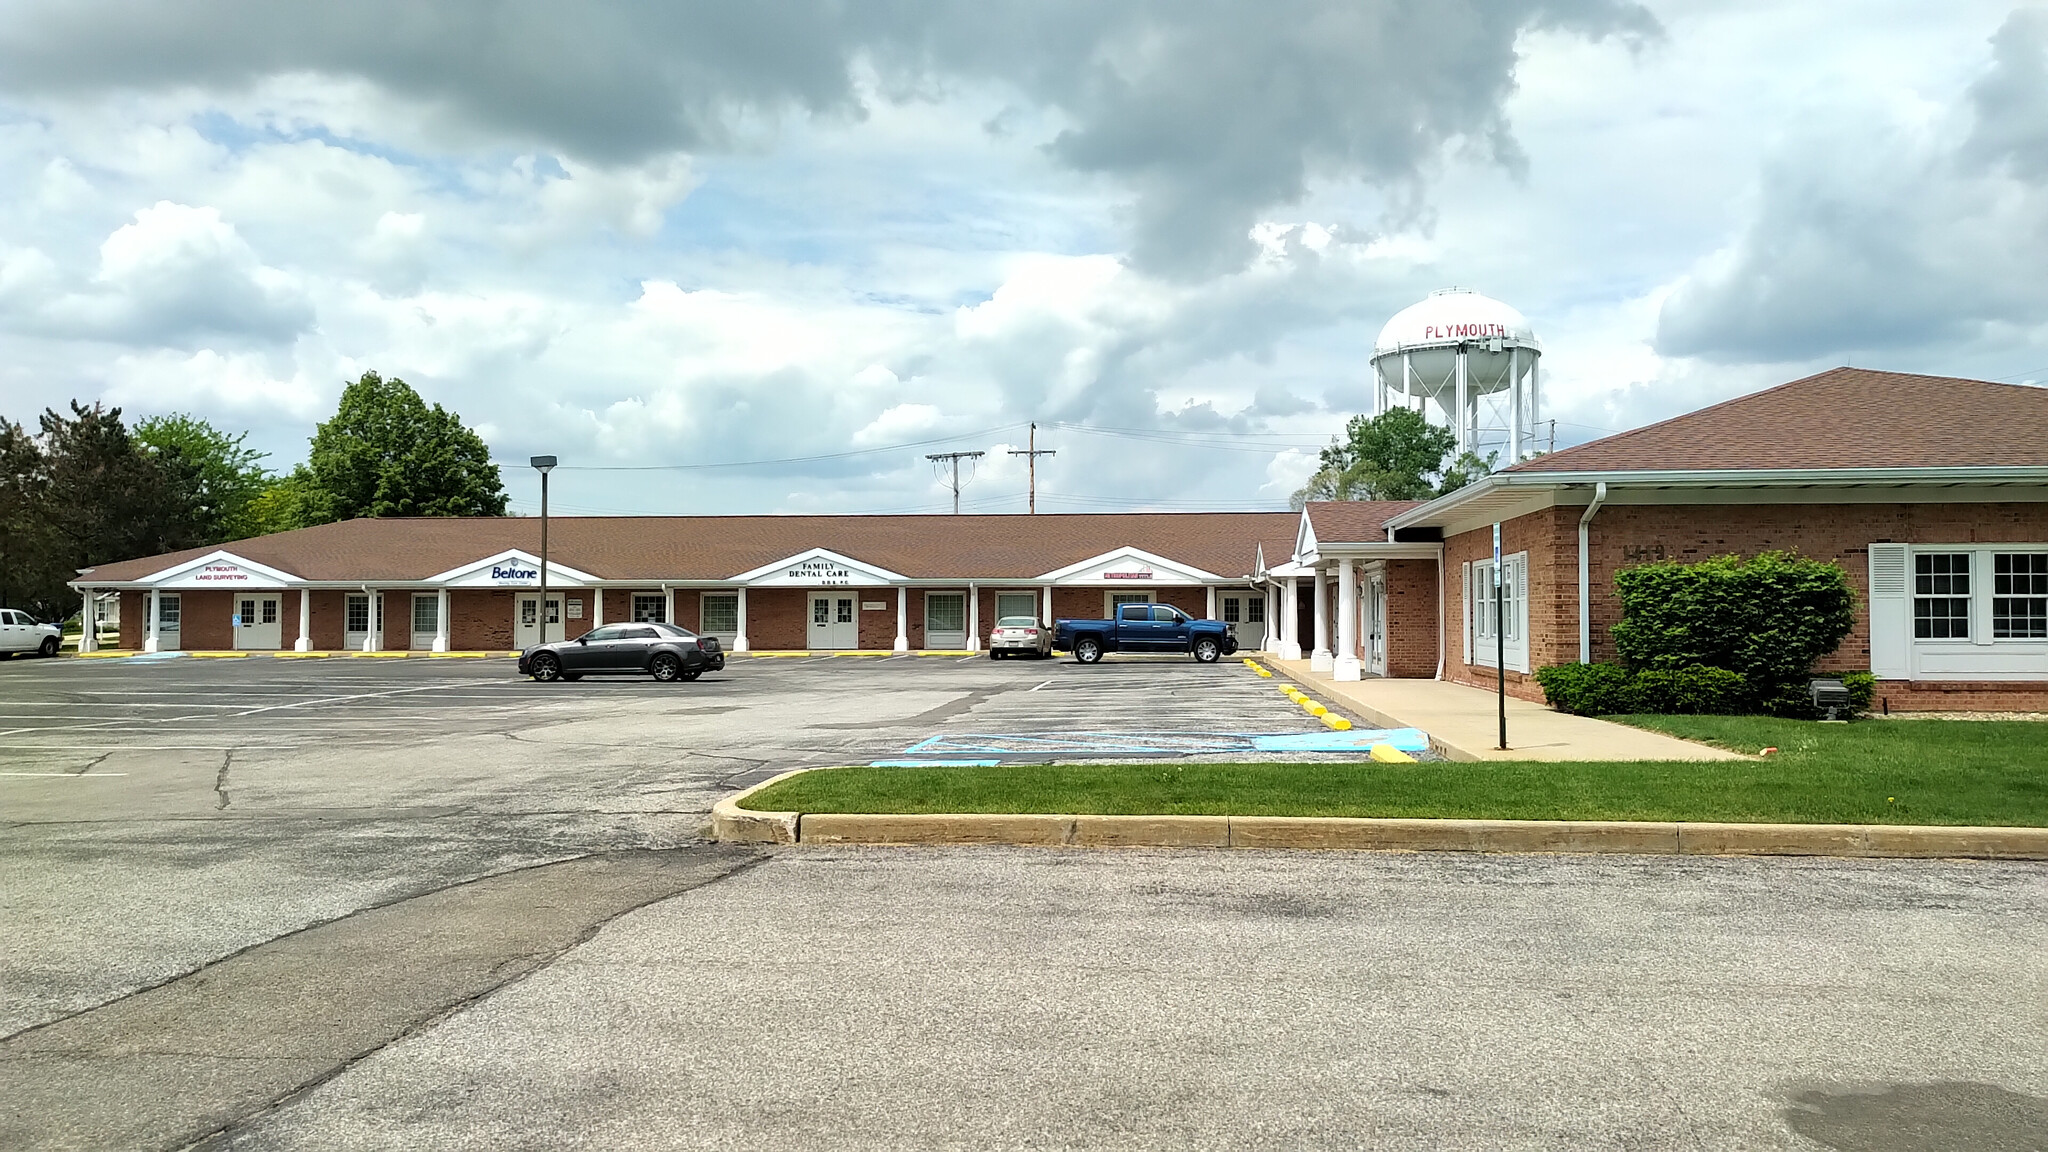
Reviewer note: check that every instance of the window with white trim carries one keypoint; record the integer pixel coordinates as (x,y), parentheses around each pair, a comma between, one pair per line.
(719,614)
(2019,596)
(1483,628)
(168,612)
(1957,611)
(1941,596)
(650,607)
(1016,604)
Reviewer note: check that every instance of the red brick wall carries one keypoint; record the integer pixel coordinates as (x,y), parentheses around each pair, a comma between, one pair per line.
(134,620)
(1624,535)
(204,623)
(480,620)
(1960,696)
(328,620)
(1412,618)
(776,618)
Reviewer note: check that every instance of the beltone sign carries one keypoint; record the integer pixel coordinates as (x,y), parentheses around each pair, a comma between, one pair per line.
(514,574)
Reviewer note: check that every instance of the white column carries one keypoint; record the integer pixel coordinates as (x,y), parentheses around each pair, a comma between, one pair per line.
(739,640)
(902,618)
(1290,619)
(156,606)
(596,607)
(373,639)
(1270,645)
(88,623)
(1045,608)
(441,628)
(305,641)
(1319,660)
(1210,612)
(973,618)
(1346,664)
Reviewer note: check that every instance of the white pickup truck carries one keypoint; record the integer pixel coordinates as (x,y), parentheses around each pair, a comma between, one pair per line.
(21,632)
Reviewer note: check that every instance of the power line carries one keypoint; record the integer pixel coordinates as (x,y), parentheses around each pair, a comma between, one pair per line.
(763,463)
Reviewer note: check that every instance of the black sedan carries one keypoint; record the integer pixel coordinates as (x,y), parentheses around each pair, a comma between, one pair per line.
(663,651)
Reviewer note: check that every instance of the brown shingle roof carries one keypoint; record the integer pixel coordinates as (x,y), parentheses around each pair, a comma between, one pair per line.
(1354,521)
(718,547)
(1843,418)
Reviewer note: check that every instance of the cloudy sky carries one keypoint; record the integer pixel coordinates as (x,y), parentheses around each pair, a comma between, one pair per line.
(819,240)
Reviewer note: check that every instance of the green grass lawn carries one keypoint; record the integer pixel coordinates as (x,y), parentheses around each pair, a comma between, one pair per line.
(1871,772)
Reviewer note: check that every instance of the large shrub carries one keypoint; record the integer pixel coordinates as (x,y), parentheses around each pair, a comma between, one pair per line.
(1609,689)
(1768,620)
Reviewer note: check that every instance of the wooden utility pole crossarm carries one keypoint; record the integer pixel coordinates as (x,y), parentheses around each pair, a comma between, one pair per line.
(1032,453)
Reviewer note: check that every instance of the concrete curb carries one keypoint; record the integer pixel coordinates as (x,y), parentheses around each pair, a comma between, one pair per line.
(730,822)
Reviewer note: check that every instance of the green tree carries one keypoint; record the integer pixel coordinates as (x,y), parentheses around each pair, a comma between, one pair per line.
(1397,455)
(82,492)
(387,453)
(24,535)
(222,476)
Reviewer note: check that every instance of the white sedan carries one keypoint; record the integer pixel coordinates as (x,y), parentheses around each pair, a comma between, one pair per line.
(1020,636)
(21,632)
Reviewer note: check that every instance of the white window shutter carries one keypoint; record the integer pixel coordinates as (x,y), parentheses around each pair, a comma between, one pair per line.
(1468,613)
(1523,640)
(1891,612)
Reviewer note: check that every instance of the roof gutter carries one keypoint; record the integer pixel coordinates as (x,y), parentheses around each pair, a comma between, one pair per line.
(1585,577)
(1725,478)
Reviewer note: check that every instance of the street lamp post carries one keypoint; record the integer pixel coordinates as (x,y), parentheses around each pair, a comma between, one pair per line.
(543,465)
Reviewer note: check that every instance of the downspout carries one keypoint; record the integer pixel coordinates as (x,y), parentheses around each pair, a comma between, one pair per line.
(1443,634)
(1585,574)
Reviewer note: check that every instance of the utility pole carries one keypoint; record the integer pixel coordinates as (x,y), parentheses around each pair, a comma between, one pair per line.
(954,458)
(1032,454)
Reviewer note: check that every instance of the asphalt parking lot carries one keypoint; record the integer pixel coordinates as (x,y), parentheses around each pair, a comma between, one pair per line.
(421,903)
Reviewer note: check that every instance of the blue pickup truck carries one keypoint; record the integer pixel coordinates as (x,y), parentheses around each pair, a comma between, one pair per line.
(1145,628)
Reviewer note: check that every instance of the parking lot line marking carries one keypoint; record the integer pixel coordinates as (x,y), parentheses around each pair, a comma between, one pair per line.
(965,659)
(1041,685)
(338,699)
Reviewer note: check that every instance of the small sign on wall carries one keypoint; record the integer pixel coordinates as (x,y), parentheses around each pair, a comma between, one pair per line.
(873,605)
(575,608)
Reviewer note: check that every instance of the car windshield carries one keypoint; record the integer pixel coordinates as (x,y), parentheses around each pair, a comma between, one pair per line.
(672,630)
(1018,622)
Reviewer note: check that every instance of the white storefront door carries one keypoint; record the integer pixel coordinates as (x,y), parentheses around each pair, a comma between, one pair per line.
(361,616)
(426,620)
(1246,612)
(526,621)
(834,622)
(1376,626)
(945,621)
(258,626)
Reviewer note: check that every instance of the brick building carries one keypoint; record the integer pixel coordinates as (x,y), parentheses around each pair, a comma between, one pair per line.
(1931,493)
(757,582)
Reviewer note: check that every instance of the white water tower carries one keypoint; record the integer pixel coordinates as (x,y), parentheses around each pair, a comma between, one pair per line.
(1473,355)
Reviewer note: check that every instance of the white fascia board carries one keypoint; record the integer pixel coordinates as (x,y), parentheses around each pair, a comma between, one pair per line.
(874,573)
(220,557)
(1259,563)
(1383,550)
(1305,540)
(555,568)
(1185,572)
(1444,507)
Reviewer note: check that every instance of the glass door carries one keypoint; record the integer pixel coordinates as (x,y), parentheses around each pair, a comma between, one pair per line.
(945,621)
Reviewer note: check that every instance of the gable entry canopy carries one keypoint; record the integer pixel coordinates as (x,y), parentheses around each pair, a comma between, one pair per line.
(220,569)
(1128,566)
(512,568)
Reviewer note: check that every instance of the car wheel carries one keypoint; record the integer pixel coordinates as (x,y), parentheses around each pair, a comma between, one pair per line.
(1207,650)
(544,667)
(1088,650)
(665,666)
(49,647)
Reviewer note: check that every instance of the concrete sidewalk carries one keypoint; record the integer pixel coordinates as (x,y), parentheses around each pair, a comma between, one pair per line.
(1463,723)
